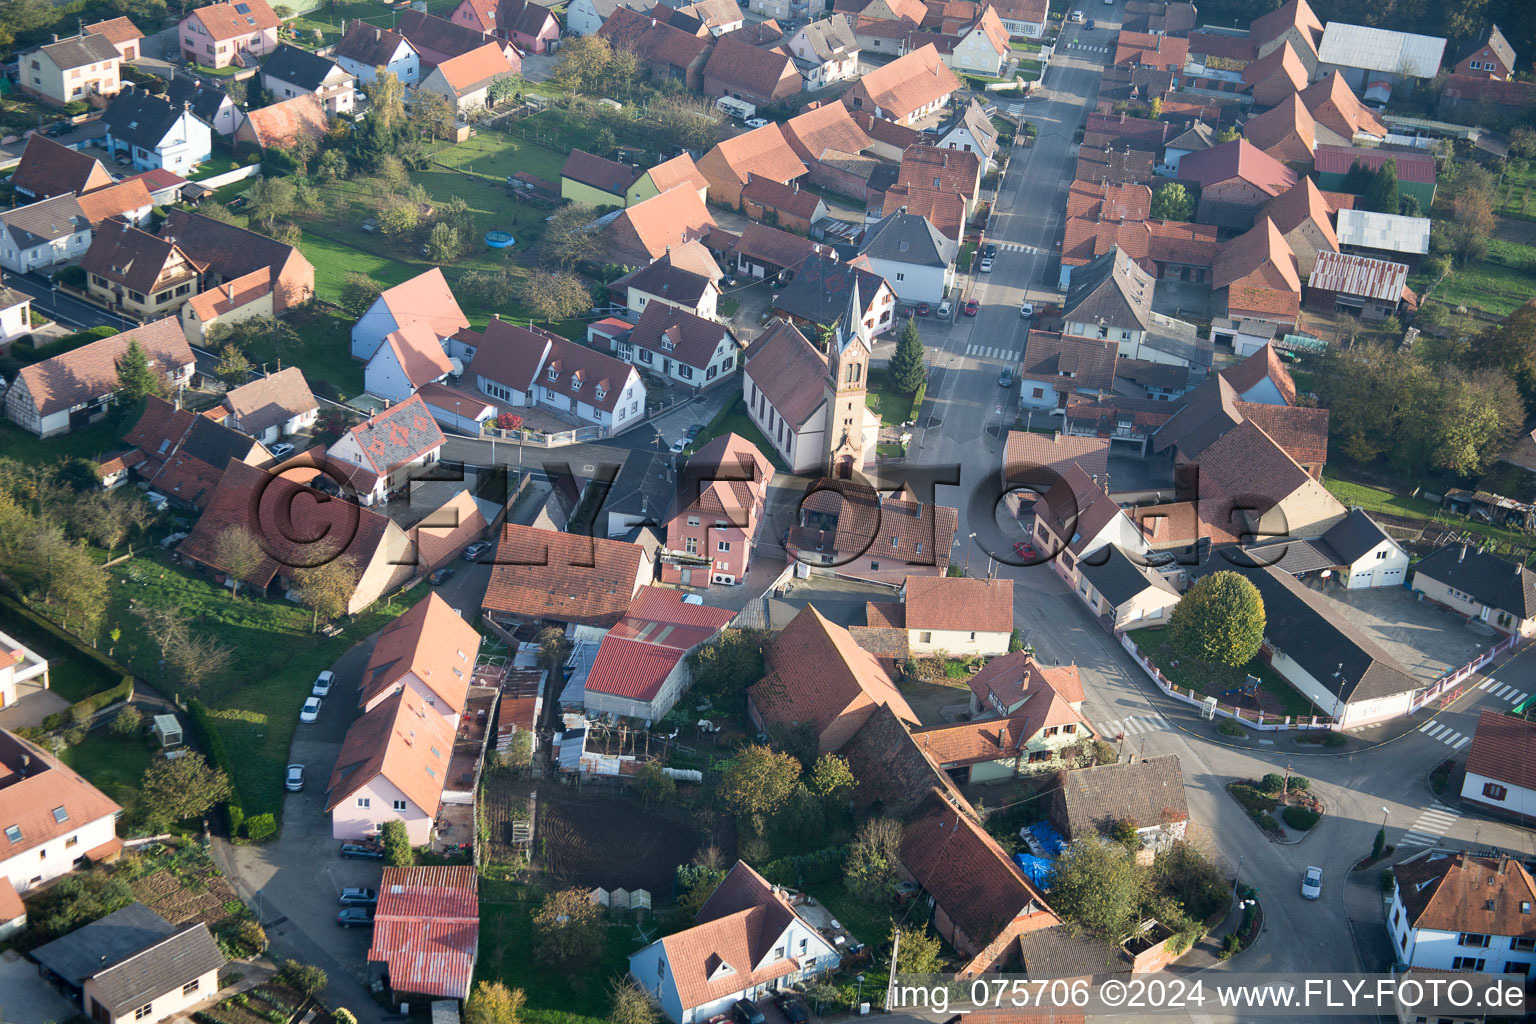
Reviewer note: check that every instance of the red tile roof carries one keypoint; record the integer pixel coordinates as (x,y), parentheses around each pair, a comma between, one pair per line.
(657,631)
(907,83)
(1297,205)
(749,69)
(90,371)
(736,928)
(279,124)
(775,247)
(540,575)
(1462,893)
(941,602)
(1030,457)
(1238,159)
(426,929)
(1334,105)
(1285,132)
(472,71)
(679,170)
(763,151)
(230,295)
(1265,363)
(420,354)
(1119,131)
(1504,749)
(1017,676)
(1001,739)
(49,169)
(1418,168)
(1281,64)
(227,21)
(429,641)
(822,127)
(787,368)
(117,30)
(774,195)
(43,797)
(1158,51)
(1295,14)
(642,232)
(1301,431)
(608,176)
(388,440)
(402,740)
(1258,269)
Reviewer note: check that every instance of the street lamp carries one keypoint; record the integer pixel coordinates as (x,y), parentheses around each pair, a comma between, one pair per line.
(1235,875)
(1384,813)
(859,999)
(969,541)
(261,915)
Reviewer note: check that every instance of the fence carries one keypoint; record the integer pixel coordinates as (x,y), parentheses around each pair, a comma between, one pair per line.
(1252,719)
(230,177)
(1446,686)
(538,439)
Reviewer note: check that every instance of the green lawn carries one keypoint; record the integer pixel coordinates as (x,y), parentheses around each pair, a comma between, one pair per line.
(69,676)
(255,701)
(1515,195)
(733,419)
(1291,701)
(113,764)
(869,924)
(1375,499)
(1499,284)
(325,352)
(1028,45)
(328,17)
(570,996)
(893,407)
(87,443)
(217,164)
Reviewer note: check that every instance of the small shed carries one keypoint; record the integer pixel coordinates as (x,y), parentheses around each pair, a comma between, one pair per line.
(168,730)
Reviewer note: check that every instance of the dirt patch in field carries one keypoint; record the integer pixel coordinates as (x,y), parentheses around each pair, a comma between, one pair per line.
(505,800)
(609,840)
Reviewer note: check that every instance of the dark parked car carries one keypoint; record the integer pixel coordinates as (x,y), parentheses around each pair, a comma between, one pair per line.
(746,1012)
(360,851)
(440,576)
(359,897)
(356,917)
(989,251)
(794,1009)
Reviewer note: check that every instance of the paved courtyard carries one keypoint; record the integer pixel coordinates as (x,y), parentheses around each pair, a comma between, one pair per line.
(25,998)
(1424,638)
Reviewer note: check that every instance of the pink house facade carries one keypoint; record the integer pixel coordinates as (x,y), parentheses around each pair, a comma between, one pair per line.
(528,26)
(710,541)
(221,35)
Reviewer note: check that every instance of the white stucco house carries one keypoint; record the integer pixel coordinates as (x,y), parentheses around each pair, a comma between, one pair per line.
(1459,912)
(366,48)
(1501,765)
(1480,586)
(520,367)
(914,257)
(19,664)
(1128,593)
(51,820)
(151,132)
(748,942)
(424,299)
(959,615)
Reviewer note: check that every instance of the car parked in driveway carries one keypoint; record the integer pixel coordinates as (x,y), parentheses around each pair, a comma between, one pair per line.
(281,450)
(323,683)
(355,917)
(361,851)
(440,576)
(357,896)
(944,310)
(310,711)
(922,309)
(1312,883)
(746,1012)
(794,1008)
(475,550)
(293,782)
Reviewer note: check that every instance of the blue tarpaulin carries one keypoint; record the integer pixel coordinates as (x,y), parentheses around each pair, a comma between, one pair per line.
(1037,869)
(1049,838)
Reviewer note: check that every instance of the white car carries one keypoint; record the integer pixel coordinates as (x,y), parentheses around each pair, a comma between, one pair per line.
(293,782)
(679,445)
(944,310)
(1026,311)
(281,450)
(1077,17)
(323,681)
(986,265)
(311,710)
(1312,883)
(756,122)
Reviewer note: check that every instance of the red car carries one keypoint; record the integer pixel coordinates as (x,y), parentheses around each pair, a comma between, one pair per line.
(971,307)
(922,309)
(1024,549)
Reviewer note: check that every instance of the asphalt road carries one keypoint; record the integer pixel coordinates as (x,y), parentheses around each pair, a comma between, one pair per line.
(64,308)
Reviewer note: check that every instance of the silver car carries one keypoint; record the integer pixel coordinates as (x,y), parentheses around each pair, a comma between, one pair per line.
(1312,883)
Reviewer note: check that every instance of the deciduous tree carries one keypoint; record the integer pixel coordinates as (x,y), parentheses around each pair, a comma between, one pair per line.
(653,785)
(1172,202)
(1099,886)
(1219,620)
(175,790)
(583,63)
(918,951)
(326,589)
(629,1004)
(432,114)
(444,243)
(873,866)
(233,369)
(358,292)
(832,777)
(494,1003)
(695,883)
(237,551)
(759,780)
(568,235)
(568,928)
(554,296)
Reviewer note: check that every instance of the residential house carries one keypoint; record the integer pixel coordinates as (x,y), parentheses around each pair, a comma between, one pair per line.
(713,522)
(521,366)
(1274,77)
(393,766)
(763,152)
(15,316)
(1355,552)
(1488,56)
(1075,520)
(1124,592)
(911,254)
(1480,586)
(783,206)
(228,303)
(1295,24)
(57,395)
(680,347)
(1461,912)
(825,51)
(765,252)
(679,170)
(786,383)
(841,156)
(1368,233)
(134,271)
(185,454)
(70,70)
(386,451)
(982,903)
(1258,270)
(1151,50)
(1033,739)
(437,40)
(1363,55)
(820,683)
(365,48)
(1415,170)
(151,132)
(907,89)
(134,965)
(530,27)
(1003,685)
(595,180)
(406,360)
(835,526)
(1024,19)
(1370,289)
(641,668)
(1056,366)
(378,551)
(638,497)
(208,102)
(48,169)
(291,72)
(666,53)
(121,33)
(1235,178)
(1262,378)
(1325,658)
(1116,166)
(466,80)
(128,200)
(426,931)
(818,297)
(747,941)
(239,33)
(272,407)
(586,17)
(979,48)
(972,131)
(1501,774)
(585,583)
(431,653)
(883,26)
(942,170)
(228,253)
(1147,793)
(43,234)
(1245,337)
(424,300)
(959,616)
(1337,111)
(1197,138)
(1301,215)
(645,231)
(686,277)
(1110,299)
(717,17)
(1033,461)
(52,818)
(745,72)
(1217,406)
(887,139)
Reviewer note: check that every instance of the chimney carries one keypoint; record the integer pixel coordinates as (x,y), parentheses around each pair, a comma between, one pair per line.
(1122,117)
(231,289)
(378,34)
(1462,557)
(55,37)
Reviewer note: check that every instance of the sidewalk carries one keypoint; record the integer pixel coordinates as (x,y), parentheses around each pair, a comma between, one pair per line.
(1205,953)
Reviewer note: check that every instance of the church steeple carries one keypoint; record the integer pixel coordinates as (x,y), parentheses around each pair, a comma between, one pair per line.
(846,385)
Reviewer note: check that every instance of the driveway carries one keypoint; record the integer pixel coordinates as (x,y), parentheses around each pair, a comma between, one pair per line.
(1425,638)
(27,999)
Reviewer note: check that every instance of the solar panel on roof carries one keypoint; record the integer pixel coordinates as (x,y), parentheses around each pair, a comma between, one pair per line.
(242,8)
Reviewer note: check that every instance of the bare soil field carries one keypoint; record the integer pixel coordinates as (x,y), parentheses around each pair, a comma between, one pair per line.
(598,839)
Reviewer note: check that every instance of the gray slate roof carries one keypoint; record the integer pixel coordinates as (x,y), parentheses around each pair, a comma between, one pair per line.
(819,293)
(80,51)
(1146,793)
(299,68)
(205,98)
(163,967)
(107,940)
(909,238)
(831,37)
(1114,575)
(140,119)
(1354,535)
(1490,580)
(46,221)
(1196,137)
(1112,290)
(978,123)
(645,485)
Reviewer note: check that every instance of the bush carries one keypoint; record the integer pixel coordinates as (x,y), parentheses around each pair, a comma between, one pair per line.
(74,737)
(1388,880)
(1300,818)
(72,276)
(307,978)
(1272,782)
(1267,823)
(917,401)
(211,740)
(1301,782)
(127,721)
(261,827)
(1251,798)
(1227,727)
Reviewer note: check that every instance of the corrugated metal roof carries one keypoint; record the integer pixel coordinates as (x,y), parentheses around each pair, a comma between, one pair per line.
(1380,49)
(427,929)
(1357,275)
(1372,230)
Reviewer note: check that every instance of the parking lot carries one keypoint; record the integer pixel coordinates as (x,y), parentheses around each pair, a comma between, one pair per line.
(1424,638)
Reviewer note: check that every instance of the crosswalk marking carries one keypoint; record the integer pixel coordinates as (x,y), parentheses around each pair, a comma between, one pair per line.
(1428,726)
(1501,691)
(1444,733)
(1429,826)
(1486,683)
(989,352)
(1134,725)
(1461,742)
(1516,698)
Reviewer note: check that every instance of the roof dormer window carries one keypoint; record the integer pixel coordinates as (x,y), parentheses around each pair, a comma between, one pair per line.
(575,383)
(554,374)
(601,391)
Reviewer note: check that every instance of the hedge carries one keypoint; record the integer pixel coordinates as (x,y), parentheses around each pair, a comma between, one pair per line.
(96,701)
(825,865)
(218,754)
(1251,798)
(27,352)
(262,826)
(1300,818)
(109,668)
(917,401)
